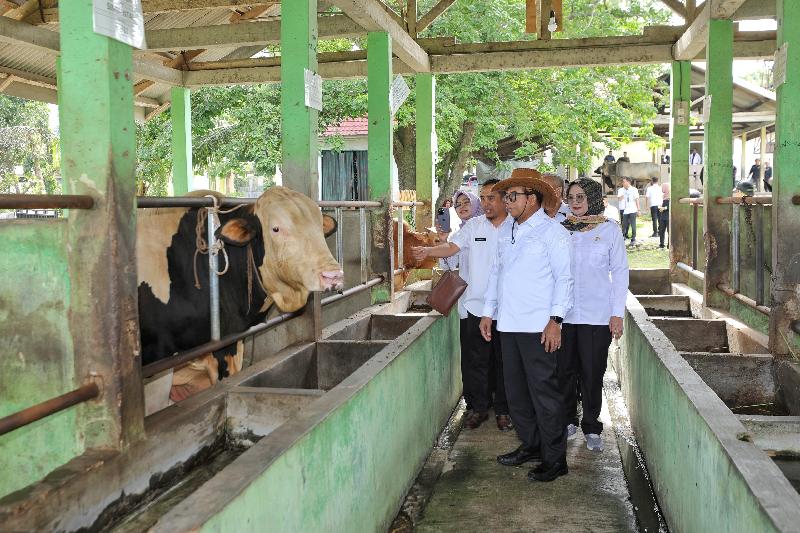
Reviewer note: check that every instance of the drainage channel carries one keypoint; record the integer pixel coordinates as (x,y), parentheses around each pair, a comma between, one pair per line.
(649,517)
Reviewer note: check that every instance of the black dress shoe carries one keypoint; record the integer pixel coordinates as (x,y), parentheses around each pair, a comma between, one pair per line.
(518,457)
(548,471)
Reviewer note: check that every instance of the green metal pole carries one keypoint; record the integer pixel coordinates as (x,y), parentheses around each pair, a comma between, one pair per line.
(299,152)
(680,223)
(784,323)
(182,168)
(718,147)
(380,157)
(425,147)
(99,158)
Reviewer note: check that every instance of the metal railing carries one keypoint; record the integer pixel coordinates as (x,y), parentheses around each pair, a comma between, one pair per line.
(49,407)
(46,201)
(400,219)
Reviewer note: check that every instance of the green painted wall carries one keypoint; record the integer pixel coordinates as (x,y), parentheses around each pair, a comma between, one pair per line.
(425,139)
(351,471)
(36,360)
(181,116)
(681,426)
(680,214)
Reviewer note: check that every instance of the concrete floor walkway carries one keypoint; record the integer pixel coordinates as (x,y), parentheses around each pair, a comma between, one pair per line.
(475,493)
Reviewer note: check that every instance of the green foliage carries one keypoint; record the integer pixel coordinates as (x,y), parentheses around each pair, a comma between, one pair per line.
(26,140)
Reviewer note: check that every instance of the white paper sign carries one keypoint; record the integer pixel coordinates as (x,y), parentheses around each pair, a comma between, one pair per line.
(313,90)
(400,92)
(706,108)
(682,113)
(121,20)
(779,67)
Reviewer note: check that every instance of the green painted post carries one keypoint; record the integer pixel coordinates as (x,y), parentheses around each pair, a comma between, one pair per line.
(425,147)
(182,167)
(718,146)
(379,139)
(99,158)
(785,317)
(680,224)
(299,152)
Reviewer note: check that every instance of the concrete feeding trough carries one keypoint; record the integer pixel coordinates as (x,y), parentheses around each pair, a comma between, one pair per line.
(700,388)
(312,422)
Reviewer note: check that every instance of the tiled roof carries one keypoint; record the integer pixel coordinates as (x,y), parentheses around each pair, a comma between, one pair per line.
(348,127)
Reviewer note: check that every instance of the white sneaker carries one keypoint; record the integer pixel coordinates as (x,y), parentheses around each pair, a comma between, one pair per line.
(594,442)
(572,431)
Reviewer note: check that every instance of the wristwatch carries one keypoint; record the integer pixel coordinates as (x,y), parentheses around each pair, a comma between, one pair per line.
(556,319)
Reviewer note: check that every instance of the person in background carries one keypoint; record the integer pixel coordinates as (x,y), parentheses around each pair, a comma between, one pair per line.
(767,176)
(755,172)
(555,181)
(695,158)
(631,210)
(654,199)
(663,215)
(624,158)
(609,211)
(529,291)
(609,157)
(621,204)
(476,245)
(600,272)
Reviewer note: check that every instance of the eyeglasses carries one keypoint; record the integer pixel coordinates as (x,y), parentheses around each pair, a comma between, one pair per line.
(511,197)
(463,204)
(579,198)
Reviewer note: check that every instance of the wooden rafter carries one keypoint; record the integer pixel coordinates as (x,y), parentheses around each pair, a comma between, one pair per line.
(434,13)
(251,13)
(411,17)
(694,39)
(392,13)
(372,17)
(23,11)
(677,7)
(250,34)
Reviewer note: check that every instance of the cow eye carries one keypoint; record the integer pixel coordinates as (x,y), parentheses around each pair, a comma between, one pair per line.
(275,229)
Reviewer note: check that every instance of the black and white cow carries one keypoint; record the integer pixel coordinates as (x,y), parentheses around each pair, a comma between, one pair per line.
(278,244)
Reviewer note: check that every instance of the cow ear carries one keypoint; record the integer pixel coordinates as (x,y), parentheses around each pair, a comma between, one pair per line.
(240,230)
(329,225)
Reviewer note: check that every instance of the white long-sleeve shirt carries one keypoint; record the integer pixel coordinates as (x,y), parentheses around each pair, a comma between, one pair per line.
(600,273)
(530,280)
(477,244)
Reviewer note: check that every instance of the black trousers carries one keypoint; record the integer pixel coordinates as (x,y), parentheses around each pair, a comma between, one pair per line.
(534,397)
(478,359)
(663,225)
(654,216)
(584,356)
(629,221)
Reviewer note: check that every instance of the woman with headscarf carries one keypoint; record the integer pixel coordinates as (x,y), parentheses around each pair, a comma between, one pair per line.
(467,206)
(600,273)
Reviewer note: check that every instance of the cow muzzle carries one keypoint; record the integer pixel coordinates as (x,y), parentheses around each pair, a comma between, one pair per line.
(332,280)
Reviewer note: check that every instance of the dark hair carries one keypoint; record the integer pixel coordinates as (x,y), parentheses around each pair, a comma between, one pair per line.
(490,181)
(539,196)
(654,179)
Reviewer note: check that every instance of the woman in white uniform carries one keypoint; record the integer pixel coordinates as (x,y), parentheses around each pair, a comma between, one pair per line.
(600,273)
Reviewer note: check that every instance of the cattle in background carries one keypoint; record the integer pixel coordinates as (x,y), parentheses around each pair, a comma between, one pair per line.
(412,238)
(640,173)
(276,252)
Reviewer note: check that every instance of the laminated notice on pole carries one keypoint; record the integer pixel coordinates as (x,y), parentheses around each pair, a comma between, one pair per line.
(706,108)
(121,20)
(313,89)
(779,67)
(400,92)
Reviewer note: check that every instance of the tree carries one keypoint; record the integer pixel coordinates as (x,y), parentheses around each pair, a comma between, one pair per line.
(26,141)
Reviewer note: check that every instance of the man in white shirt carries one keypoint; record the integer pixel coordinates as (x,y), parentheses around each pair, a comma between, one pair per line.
(529,292)
(481,362)
(621,202)
(630,195)
(695,158)
(609,211)
(655,198)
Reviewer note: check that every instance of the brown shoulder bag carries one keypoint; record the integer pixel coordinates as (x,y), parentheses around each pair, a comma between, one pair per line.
(446,293)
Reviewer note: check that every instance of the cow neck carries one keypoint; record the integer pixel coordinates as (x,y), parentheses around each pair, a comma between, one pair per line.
(201,247)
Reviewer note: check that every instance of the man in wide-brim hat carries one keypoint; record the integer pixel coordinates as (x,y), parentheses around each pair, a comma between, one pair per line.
(531,180)
(530,291)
